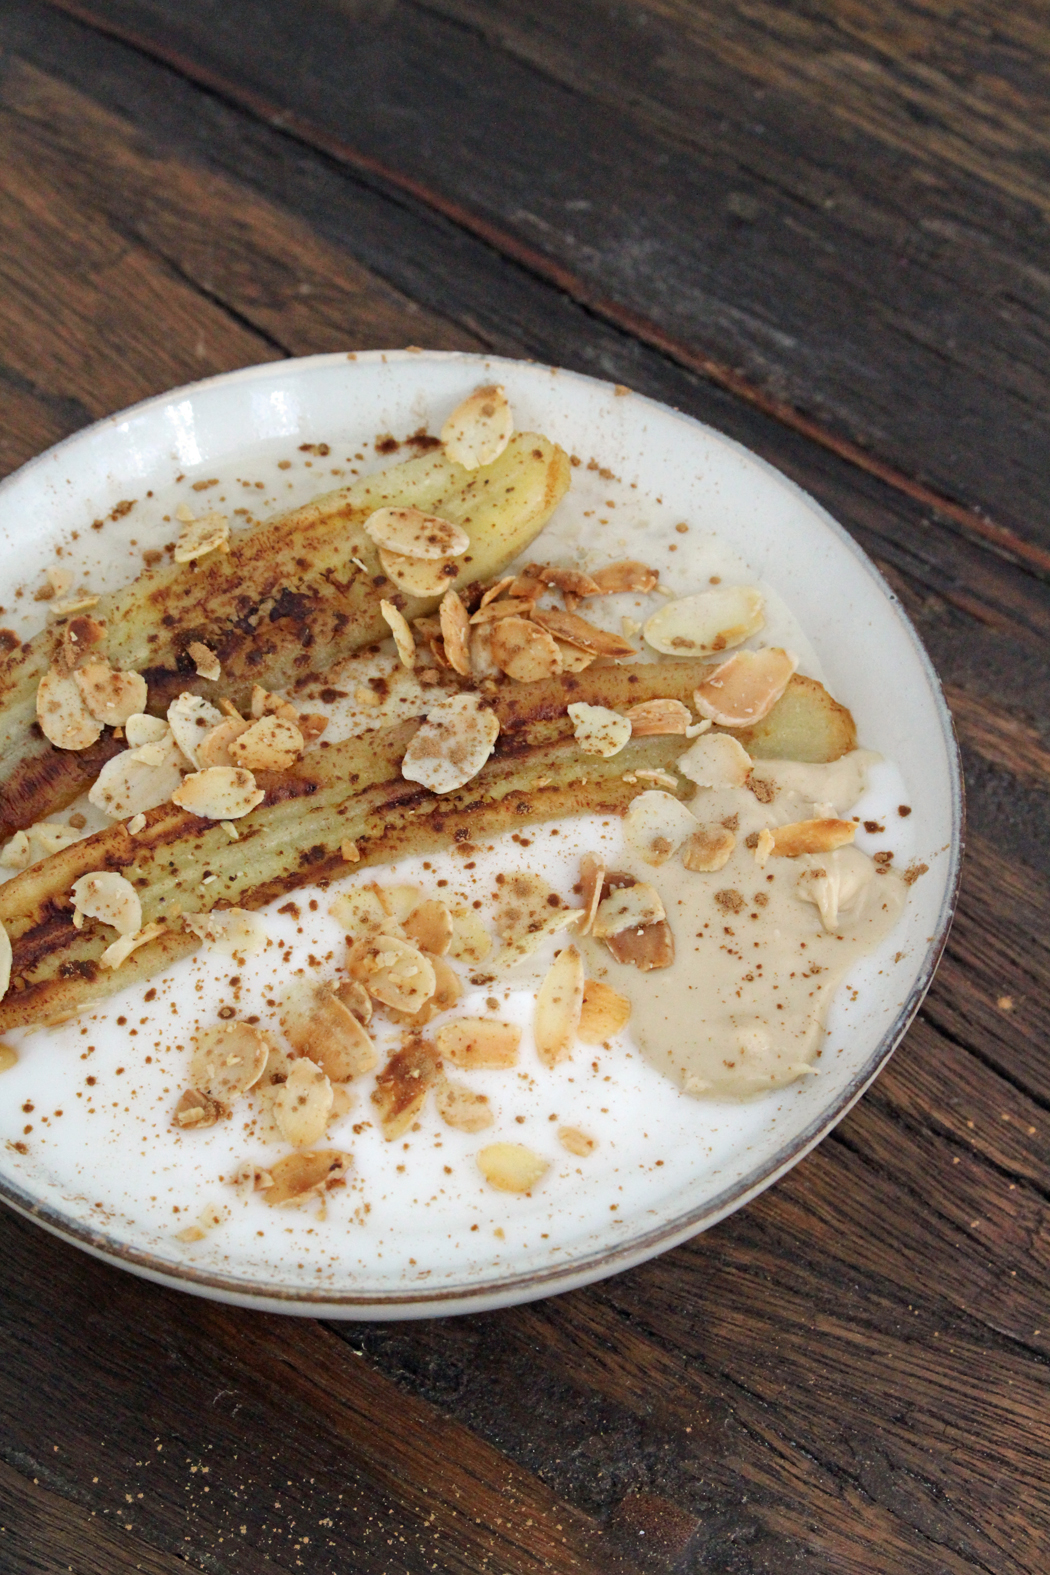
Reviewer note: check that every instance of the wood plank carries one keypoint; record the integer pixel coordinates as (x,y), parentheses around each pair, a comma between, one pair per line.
(752,150)
(41,1530)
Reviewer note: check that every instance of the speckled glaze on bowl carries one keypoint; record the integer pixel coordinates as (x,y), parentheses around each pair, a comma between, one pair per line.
(870,653)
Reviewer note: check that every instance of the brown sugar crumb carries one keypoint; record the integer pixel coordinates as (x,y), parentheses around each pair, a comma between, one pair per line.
(912,873)
(873,828)
(730,901)
(903,810)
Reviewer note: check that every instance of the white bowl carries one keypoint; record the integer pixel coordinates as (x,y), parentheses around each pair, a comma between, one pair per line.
(242,423)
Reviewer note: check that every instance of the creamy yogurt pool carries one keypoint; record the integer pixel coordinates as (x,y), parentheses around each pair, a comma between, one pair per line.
(86,1112)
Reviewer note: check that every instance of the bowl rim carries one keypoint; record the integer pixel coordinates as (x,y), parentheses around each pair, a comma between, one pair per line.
(512,1289)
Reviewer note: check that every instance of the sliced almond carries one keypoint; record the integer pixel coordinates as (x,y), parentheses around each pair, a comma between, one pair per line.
(83,640)
(604,1013)
(111,697)
(471,942)
(190,717)
(356,999)
(17,854)
(627,908)
(361,912)
(303,1104)
(403,1085)
(651,946)
(139,779)
(121,949)
(399,901)
(575,630)
(105,895)
(219,793)
(412,534)
(270,744)
(141,729)
(81,602)
(214,747)
(197,1110)
(265,703)
(64,719)
(523,650)
(8,1057)
(653,718)
(204,660)
(711,621)
(298,1177)
(496,590)
(318,1024)
(419,576)
(430,926)
(558,1007)
(708,849)
(459,1106)
(598,730)
(478,430)
(343,1101)
(511,1167)
(573,660)
(509,607)
(572,582)
(764,845)
(398,625)
(349,851)
(526,911)
(592,877)
(576,1142)
(525,586)
(39,842)
(6,958)
(232,931)
(745,689)
(448,989)
(656,825)
(198,537)
(392,971)
(452,745)
(474,1042)
(455,631)
(811,836)
(626,576)
(715,761)
(311,724)
(228,1059)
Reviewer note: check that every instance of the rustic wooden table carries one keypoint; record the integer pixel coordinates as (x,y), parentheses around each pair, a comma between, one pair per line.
(823,228)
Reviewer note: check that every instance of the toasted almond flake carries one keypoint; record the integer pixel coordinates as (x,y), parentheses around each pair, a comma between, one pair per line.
(136,824)
(419,576)
(452,745)
(430,926)
(5,961)
(573,660)
(811,836)
(311,724)
(105,895)
(270,744)
(17,854)
(303,1104)
(350,852)
(83,640)
(219,793)
(525,586)
(483,664)
(711,621)
(708,849)
(298,1177)
(448,989)
(745,689)
(361,912)
(403,1085)
(577,1142)
(190,718)
(73,604)
(626,576)
(715,762)
(478,430)
(265,703)
(228,1059)
(572,582)
(471,942)
(140,729)
(64,719)
(575,630)
(196,1109)
(410,533)
(764,845)
(496,590)
(627,908)
(523,650)
(474,1042)
(511,1167)
(232,931)
(392,971)
(604,1013)
(592,877)
(198,537)
(598,730)
(209,1218)
(399,901)
(138,780)
(214,747)
(656,825)
(651,946)
(459,1107)
(343,1101)
(653,718)
(318,1024)
(455,631)
(558,1008)
(204,660)
(398,625)
(59,582)
(8,1057)
(122,948)
(356,999)
(111,697)
(527,910)
(38,842)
